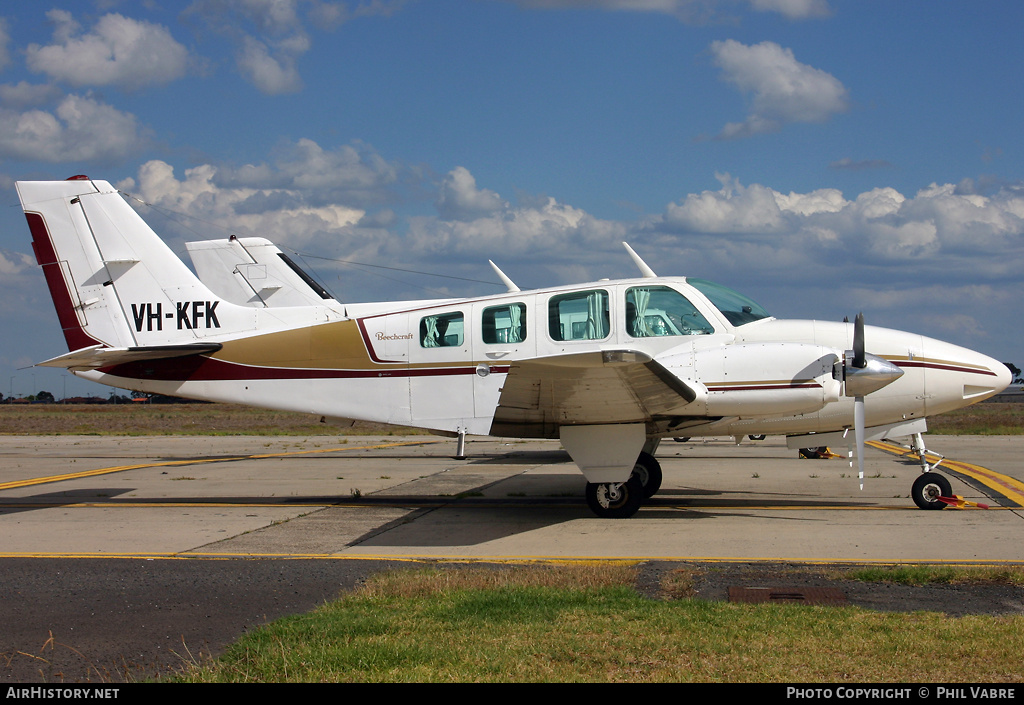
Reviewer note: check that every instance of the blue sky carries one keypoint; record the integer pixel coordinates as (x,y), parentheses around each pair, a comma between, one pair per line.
(824,156)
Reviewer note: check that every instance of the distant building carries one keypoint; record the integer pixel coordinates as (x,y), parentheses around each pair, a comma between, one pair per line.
(1014,394)
(85,400)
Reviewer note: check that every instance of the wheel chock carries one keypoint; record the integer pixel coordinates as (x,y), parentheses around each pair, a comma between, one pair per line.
(959,502)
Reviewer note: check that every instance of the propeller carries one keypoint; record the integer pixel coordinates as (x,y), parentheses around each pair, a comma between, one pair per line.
(859,360)
(863,373)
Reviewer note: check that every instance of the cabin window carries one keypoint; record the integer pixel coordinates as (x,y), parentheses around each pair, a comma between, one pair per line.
(581,315)
(445,330)
(504,324)
(655,311)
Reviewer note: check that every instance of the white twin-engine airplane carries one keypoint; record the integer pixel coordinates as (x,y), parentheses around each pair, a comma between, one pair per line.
(609,367)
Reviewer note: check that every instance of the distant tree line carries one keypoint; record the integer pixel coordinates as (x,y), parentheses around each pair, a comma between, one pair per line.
(44,397)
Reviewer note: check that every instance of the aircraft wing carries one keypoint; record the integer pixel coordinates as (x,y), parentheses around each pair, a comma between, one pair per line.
(97,356)
(600,387)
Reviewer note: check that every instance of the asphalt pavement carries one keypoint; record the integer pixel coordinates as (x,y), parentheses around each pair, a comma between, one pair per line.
(125,556)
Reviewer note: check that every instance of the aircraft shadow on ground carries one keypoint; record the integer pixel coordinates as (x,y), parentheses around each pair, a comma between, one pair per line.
(478,519)
(50,500)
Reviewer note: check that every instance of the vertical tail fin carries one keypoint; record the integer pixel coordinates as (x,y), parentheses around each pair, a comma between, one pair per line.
(113,280)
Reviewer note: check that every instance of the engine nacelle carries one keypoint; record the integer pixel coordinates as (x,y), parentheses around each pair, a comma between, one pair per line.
(752,380)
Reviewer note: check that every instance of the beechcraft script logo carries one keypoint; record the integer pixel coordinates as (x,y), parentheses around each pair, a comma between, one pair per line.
(187,315)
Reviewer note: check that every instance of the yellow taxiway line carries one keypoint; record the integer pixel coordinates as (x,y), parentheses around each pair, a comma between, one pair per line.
(446,503)
(499,558)
(195,461)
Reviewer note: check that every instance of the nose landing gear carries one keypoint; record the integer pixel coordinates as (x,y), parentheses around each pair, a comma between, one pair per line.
(930,486)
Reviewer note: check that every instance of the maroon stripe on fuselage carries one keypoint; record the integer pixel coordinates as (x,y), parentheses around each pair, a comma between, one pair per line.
(46,257)
(367,342)
(205,369)
(938,366)
(763,387)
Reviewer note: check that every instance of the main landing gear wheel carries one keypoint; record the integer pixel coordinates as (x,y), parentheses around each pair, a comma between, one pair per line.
(927,489)
(615,500)
(648,470)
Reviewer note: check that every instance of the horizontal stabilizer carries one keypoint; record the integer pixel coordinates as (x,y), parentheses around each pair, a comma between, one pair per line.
(98,356)
(253,271)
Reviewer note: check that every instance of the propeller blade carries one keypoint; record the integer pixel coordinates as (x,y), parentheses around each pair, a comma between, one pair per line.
(859,360)
(858,429)
(862,374)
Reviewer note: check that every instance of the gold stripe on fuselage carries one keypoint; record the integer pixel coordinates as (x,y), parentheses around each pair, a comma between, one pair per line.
(336,345)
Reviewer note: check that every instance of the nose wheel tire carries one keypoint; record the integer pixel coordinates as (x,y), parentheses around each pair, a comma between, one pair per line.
(648,470)
(615,500)
(927,489)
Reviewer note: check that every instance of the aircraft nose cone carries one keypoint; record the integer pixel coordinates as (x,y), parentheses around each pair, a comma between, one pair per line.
(991,378)
(956,377)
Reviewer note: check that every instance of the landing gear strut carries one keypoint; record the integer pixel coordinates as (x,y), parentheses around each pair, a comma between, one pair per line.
(918,447)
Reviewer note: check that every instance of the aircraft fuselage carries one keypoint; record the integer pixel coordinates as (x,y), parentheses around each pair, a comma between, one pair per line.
(379,362)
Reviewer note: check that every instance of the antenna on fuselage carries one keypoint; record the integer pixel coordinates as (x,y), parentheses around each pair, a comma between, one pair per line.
(504,279)
(641,265)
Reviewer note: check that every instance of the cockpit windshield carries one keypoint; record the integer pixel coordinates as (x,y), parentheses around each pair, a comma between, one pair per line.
(737,308)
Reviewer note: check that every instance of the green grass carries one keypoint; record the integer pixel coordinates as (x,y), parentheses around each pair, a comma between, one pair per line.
(584,624)
(945,575)
(986,419)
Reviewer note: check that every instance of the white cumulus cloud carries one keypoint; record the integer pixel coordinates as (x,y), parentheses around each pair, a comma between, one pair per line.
(12,263)
(354,174)
(477,223)
(733,209)
(783,89)
(460,199)
(273,73)
(793,9)
(118,51)
(692,11)
(936,232)
(271,36)
(199,196)
(79,129)
(24,94)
